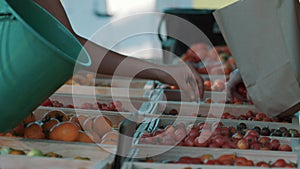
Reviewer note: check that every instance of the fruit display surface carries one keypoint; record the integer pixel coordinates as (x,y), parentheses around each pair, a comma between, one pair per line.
(210,84)
(60,126)
(107,92)
(212,60)
(250,116)
(89,79)
(181,157)
(176,109)
(229,160)
(26,153)
(34,152)
(215,92)
(111,106)
(66,101)
(224,134)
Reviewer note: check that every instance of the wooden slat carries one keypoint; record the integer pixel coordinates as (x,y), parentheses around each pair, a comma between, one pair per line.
(23,162)
(101,156)
(124,83)
(107,92)
(115,117)
(170,153)
(141,106)
(66,149)
(190,109)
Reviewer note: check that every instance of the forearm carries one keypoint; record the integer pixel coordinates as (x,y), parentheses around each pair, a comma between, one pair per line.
(104,61)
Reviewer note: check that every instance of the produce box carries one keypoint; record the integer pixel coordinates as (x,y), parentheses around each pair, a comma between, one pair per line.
(190,108)
(115,117)
(68,101)
(209,97)
(213,110)
(52,154)
(219,134)
(123,83)
(94,126)
(184,158)
(74,119)
(142,165)
(107,92)
(89,79)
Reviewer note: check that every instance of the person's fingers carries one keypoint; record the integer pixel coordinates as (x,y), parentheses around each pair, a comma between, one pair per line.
(199,82)
(232,93)
(229,95)
(239,96)
(188,94)
(248,97)
(200,85)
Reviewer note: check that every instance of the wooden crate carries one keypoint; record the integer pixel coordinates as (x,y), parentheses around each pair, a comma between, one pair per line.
(107,92)
(190,108)
(167,153)
(140,106)
(169,120)
(98,155)
(124,83)
(141,165)
(154,124)
(115,117)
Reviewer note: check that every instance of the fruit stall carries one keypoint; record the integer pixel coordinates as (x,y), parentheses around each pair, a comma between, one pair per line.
(95,122)
(86,124)
(79,126)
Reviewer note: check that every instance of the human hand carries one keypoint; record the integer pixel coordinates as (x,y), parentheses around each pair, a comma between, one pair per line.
(235,87)
(186,78)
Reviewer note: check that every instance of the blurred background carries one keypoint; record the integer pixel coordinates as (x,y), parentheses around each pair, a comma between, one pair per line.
(107,22)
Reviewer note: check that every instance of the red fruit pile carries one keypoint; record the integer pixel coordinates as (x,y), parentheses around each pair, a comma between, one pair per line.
(232,160)
(234,101)
(212,135)
(112,106)
(255,116)
(250,115)
(217,85)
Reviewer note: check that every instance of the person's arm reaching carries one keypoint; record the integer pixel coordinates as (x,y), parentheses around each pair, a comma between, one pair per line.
(105,61)
(232,92)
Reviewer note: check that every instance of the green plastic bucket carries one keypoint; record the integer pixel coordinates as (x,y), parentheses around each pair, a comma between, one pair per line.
(37,56)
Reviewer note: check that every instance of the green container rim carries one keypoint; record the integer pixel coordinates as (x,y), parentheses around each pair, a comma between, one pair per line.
(188,11)
(45,41)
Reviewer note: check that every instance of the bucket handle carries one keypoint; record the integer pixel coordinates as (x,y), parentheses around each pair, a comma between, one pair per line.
(4,15)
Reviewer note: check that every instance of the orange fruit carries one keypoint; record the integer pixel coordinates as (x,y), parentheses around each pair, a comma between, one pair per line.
(34,130)
(114,135)
(49,124)
(102,125)
(59,115)
(19,130)
(84,137)
(64,131)
(17,152)
(88,128)
(208,100)
(207,85)
(30,118)
(115,126)
(8,134)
